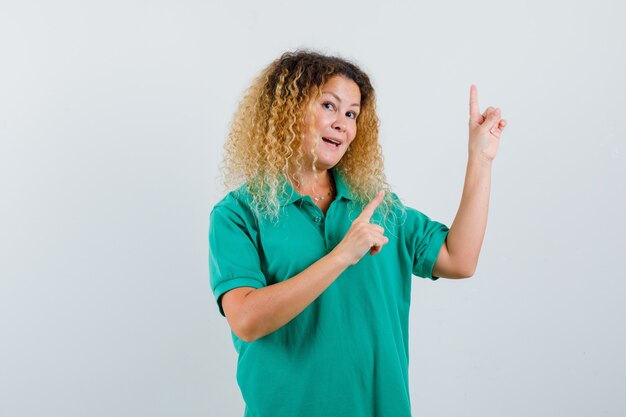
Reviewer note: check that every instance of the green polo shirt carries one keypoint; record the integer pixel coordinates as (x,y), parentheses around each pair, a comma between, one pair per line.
(347,353)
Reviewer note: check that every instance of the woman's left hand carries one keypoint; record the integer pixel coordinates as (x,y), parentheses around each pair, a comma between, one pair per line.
(484,129)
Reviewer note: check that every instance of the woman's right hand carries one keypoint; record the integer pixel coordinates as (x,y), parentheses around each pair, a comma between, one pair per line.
(363,237)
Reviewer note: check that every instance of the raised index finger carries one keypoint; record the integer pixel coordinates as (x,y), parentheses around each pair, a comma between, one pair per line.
(474,111)
(369,209)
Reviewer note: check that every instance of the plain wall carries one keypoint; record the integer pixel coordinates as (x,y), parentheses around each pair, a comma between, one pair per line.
(112,120)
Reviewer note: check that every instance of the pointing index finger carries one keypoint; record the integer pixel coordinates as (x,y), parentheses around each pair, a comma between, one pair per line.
(473,104)
(369,209)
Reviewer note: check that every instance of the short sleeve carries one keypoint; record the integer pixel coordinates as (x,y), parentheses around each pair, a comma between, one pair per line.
(233,255)
(425,237)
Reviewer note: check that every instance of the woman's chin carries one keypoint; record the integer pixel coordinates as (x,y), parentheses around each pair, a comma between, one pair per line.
(324,165)
(327,161)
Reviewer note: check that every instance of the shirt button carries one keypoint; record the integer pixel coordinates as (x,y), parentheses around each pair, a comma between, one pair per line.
(317,219)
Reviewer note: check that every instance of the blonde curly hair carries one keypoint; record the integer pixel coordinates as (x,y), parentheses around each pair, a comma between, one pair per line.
(264,145)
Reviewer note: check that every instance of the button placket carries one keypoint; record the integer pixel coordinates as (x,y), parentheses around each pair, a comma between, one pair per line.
(314,213)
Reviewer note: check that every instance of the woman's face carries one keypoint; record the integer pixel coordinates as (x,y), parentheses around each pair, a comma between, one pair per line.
(333,128)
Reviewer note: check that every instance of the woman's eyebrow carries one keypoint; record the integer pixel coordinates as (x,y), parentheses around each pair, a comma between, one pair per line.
(339,100)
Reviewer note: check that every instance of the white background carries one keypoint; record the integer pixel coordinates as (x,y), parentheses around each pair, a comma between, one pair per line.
(112,120)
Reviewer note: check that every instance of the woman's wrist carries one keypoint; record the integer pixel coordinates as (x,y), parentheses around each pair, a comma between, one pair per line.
(339,258)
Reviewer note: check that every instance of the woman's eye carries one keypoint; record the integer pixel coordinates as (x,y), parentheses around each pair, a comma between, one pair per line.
(328,105)
(351,115)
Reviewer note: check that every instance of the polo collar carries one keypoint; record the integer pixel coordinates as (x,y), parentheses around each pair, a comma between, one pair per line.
(290,196)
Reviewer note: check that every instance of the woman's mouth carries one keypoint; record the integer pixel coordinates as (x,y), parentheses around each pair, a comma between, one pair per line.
(332,141)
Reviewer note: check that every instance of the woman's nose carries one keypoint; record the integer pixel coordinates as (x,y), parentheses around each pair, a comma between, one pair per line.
(339,124)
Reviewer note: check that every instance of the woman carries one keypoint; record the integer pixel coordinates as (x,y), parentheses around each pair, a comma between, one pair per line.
(315,289)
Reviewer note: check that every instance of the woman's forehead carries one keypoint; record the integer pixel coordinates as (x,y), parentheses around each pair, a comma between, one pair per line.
(343,89)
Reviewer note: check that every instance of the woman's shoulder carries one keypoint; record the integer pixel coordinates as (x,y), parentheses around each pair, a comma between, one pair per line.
(396,204)
(400,206)
(404,214)
(236,197)
(236,203)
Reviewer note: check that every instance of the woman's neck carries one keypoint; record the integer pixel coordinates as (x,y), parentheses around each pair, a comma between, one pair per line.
(314,184)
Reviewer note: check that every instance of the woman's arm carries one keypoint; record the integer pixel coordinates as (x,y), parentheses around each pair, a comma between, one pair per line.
(459,254)
(254,313)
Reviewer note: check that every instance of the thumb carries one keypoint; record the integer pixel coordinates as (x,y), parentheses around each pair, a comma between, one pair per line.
(493,119)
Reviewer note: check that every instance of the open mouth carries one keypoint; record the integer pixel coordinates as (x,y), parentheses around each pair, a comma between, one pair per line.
(332,141)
